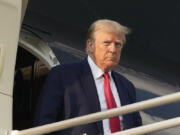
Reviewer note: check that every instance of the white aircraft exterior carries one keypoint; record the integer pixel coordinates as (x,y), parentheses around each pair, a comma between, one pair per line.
(11,35)
(11,14)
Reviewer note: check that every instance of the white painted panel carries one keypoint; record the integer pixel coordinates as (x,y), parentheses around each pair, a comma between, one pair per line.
(10,16)
(6,112)
(1,58)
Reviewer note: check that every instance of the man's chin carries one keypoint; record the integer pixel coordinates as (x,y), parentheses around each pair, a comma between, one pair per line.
(110,64)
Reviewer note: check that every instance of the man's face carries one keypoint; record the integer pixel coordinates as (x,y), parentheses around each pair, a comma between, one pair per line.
(105,49)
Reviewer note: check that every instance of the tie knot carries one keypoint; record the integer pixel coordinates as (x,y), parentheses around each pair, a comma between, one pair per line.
(106,75)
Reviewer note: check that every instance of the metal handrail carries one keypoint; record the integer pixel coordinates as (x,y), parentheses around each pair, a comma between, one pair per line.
(151,127)
(100,115)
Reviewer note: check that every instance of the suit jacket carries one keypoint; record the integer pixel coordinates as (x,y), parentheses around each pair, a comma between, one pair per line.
(70,91)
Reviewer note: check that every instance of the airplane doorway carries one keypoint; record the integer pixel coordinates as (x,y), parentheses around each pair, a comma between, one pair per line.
(30,74)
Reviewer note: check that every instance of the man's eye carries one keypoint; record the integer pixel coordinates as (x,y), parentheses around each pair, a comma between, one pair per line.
(107,42)
(118,44)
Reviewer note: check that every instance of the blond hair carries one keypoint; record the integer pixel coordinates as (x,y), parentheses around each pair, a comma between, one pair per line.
(108,26)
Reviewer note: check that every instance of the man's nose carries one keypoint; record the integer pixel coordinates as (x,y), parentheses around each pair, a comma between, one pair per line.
(112,47)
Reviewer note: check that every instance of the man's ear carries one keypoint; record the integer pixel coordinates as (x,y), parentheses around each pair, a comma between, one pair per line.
(90,46)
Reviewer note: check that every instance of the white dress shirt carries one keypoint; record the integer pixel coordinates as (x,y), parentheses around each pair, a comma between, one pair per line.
(99,82)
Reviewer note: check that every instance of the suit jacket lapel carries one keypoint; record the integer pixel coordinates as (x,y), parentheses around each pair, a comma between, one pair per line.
(122,94)
(119,87)
(90,90)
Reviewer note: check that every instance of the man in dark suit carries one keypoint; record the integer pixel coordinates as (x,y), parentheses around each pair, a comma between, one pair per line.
(90,86)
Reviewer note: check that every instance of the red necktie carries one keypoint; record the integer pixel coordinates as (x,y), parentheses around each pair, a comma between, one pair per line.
(110,101)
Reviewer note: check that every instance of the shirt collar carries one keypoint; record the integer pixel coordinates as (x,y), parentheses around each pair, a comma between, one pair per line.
(96,71)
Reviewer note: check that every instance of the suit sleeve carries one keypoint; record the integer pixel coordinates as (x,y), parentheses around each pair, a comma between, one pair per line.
(50,104)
